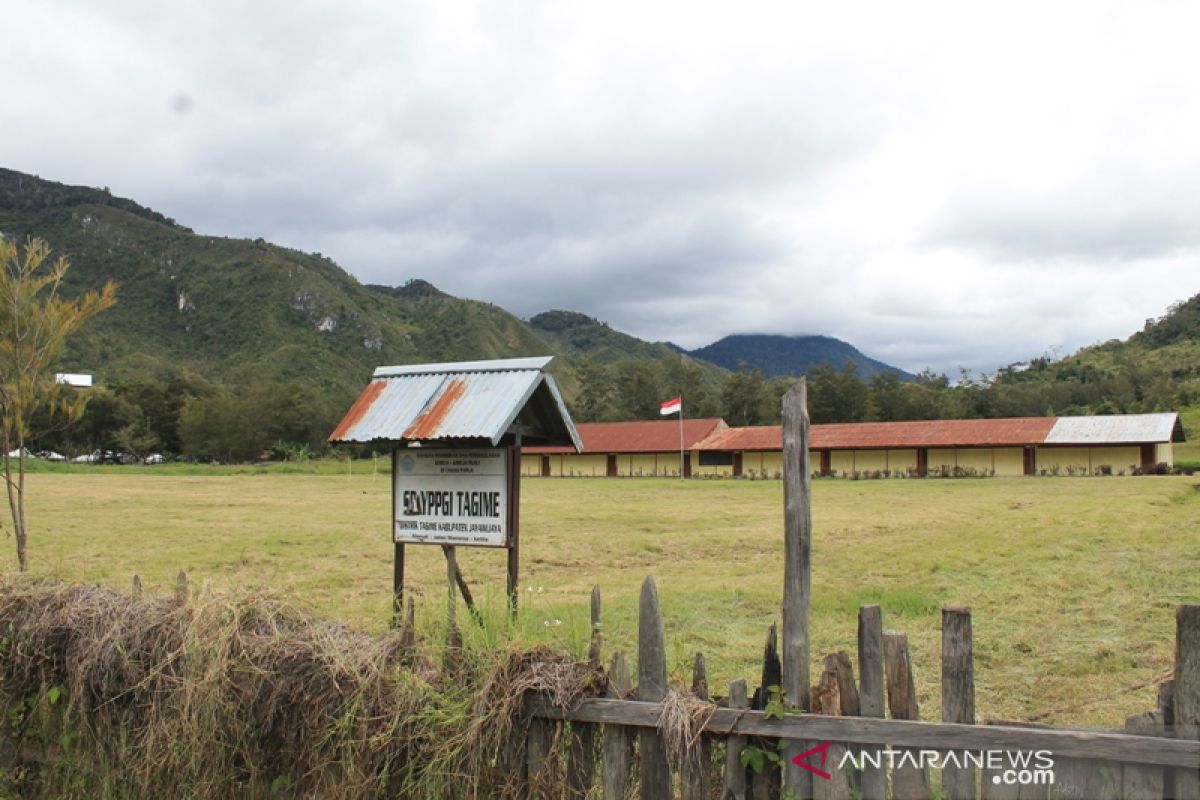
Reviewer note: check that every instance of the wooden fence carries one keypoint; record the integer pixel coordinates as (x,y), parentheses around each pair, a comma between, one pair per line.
(652,741)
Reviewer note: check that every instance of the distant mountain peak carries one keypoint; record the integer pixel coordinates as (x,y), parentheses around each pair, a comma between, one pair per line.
(413,289)
(21,192)
(778,354)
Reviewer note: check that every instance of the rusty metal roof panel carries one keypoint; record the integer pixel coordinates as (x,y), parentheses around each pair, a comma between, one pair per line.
(884,435)
(638,436)
(1116,429)
(758,437)
(461,400)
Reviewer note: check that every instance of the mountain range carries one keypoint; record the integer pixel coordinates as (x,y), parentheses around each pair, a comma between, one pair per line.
(241,310)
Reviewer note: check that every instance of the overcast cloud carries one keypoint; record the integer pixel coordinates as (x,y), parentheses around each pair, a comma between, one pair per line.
(940,184)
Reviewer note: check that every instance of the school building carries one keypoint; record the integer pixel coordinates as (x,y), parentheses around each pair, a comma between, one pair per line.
(1016,446)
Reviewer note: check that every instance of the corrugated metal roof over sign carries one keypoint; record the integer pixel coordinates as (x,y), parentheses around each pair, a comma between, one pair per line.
(459,400)
(1116,429)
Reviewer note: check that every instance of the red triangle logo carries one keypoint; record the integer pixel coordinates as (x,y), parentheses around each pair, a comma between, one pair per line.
(823,749)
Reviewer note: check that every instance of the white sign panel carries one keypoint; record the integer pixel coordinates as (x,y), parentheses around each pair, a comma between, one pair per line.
(451,497)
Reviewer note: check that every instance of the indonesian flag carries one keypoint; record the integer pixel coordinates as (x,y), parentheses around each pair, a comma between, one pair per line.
(672,406)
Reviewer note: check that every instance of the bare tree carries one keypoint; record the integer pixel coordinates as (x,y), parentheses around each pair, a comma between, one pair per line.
(35,322)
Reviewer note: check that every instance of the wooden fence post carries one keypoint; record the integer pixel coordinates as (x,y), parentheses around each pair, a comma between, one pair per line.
(735,774)
(408,633)
(958,693)
(581,759)
(872,780)
(594,645)
(1187,693)
(1139,782)
(539,742)
(618,740)
(797,573)
(652,687)
(832,696)
(695,780)
(908,783)
(764,785)
(1166,706)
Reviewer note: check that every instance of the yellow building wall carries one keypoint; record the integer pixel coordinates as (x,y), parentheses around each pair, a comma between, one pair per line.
(1119,458)
(586,465)
(1065,458)
(647,464)
(841,461)
(1009,460)
(942,457)
(868,460)
(531,466)
(902,461)
(975,458)
(1163,453)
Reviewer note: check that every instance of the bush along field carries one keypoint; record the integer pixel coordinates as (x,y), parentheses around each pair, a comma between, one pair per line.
(205,695)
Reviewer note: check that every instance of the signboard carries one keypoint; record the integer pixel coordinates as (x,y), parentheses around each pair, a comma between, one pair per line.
(454,497)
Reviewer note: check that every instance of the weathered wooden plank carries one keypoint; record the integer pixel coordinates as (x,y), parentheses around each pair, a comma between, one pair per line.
(1119,747)
(765,785)
(696,780)
(827,700)
(872,780)
(994,788)
(539,739)
(652,686)
(1166,705)
(581,759)
(958,693)
(843,670)
(1140,782)
(734,787)
(408,633)
(594,645)
(452,655)
(797,571)
(618,739)
(1085,779)
(1186,694)
(908,782)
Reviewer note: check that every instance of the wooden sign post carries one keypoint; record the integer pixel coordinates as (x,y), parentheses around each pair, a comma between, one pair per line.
(463,496)
(456,432)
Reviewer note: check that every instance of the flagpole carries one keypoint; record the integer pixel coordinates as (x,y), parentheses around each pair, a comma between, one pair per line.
(680,437)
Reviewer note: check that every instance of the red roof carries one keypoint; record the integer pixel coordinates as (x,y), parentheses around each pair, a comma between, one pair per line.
(642,436)
(1013,432)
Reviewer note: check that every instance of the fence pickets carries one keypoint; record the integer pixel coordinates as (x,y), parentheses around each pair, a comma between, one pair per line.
(767,753)
(564,742)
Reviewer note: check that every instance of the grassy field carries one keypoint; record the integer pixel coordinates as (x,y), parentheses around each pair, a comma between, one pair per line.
(1072,581)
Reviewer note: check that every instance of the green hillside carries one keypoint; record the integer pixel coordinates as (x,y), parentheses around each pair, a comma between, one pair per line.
(218,320)
(237,310)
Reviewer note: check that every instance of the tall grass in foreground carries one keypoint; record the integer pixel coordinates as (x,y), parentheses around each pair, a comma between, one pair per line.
(216,696)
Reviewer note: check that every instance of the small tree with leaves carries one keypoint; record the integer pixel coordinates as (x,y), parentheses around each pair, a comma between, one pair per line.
(35,322)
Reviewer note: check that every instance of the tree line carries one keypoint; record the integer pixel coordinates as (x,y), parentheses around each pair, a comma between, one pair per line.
(633,390)
(186,416)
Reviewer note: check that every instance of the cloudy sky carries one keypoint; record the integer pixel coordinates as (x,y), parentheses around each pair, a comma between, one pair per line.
(941,184)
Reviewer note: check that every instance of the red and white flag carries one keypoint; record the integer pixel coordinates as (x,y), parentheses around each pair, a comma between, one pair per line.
(672,406)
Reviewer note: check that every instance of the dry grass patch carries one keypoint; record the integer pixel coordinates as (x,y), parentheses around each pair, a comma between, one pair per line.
(1072,581)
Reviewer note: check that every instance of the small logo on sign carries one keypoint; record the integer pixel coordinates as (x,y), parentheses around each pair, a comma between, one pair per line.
(823,749)
(407,463)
